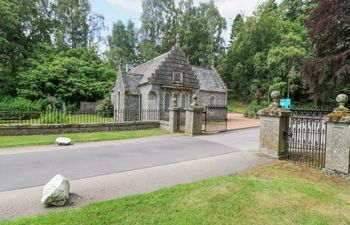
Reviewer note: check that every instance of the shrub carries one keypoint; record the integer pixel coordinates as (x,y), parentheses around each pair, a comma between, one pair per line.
(254,107)
(20,108)
(20,104)
(105,108)
(71,108)
(53,116)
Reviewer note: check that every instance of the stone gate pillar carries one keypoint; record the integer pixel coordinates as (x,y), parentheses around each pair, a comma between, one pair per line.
(338,138)
(274,128)
(173,117)
(193,124)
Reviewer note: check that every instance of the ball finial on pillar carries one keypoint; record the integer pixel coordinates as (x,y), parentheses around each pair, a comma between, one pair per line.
(342,99)
(275,95)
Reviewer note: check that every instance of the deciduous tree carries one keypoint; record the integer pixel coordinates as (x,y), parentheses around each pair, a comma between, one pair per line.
(328,71)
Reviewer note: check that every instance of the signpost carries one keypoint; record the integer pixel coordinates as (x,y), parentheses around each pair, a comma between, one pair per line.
(285,103)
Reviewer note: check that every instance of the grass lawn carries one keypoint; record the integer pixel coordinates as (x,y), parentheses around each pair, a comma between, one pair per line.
(236,106)
(279,193)
(15,141)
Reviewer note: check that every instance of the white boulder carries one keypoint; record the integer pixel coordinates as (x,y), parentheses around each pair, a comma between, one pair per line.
(56,191)
(63,141)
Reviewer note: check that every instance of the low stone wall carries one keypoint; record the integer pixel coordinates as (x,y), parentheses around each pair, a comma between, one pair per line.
(12,130)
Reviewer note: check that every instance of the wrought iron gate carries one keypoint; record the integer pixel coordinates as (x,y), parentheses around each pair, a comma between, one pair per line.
(307,137)
(214,119)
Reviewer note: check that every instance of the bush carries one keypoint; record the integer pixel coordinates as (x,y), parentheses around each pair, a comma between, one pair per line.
(20,108)
(20,104)
(254,107)
(105,108)
(72,108)
(53,116)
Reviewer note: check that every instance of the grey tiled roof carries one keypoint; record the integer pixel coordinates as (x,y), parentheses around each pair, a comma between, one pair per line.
(209,79)
(131,82)
(148,68)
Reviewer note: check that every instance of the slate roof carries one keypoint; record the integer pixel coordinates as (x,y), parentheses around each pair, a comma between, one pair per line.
(148,68)
(209,79)
(131,82)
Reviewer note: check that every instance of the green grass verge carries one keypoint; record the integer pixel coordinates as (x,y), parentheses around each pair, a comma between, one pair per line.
(280,193)
(236,106)
(15,141)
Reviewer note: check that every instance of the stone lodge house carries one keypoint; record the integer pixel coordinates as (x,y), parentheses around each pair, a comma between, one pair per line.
(154,85)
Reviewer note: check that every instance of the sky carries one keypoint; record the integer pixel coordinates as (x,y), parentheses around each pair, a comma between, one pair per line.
(114,10)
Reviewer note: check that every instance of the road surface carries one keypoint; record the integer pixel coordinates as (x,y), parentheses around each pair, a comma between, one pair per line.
(106,170)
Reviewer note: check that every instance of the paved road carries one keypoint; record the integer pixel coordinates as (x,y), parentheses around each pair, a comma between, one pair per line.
(113,169)
(36,166)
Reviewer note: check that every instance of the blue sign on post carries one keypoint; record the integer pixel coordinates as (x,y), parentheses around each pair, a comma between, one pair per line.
(285,103)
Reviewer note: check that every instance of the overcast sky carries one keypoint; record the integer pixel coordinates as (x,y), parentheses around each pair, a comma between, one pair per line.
(114,10)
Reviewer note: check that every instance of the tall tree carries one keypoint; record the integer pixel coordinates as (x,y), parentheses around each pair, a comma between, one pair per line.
(69,74)
(23,25)
(200,29)
(77,25)
(236,27)
(266,52)
(328,71)
(122,44)
(157,19)
(296,10)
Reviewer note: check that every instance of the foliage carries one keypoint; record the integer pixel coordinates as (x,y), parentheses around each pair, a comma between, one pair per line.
(328,71)
(105,107)
(20,104)
(267,50)
(53,117)
(277,193)
(236,106)
(76,26)
(122,44)
(72,75)
(23,24)
(253,108)
(200,28)
(19,108)
(27,24)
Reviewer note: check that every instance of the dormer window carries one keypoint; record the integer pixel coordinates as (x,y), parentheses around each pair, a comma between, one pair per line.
(178,77)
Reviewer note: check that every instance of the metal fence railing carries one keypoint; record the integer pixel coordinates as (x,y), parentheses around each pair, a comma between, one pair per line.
(307,133)
(61,117)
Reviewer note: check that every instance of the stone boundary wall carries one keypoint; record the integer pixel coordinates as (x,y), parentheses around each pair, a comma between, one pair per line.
(164,125)
(13,130)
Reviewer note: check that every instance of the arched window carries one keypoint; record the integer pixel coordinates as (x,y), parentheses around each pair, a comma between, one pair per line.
(118,101)
(166,101)
(212,100)
(176,99)
(183,101)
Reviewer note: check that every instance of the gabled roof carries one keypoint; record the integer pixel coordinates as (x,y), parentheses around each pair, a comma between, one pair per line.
(148,68)
(209,79)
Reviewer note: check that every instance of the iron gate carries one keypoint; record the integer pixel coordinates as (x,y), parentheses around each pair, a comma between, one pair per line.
(214,119)
(307,137)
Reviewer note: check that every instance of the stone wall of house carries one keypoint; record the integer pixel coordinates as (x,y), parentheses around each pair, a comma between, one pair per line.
(205,96)
(132,102)
(118,90)
(74,128)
